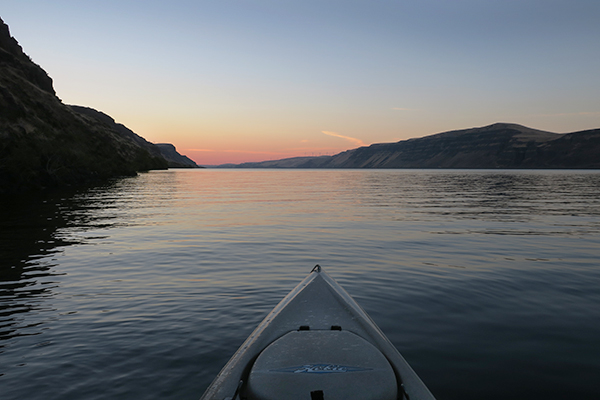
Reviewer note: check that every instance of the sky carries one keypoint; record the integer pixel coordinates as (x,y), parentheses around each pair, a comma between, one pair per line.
(231,81)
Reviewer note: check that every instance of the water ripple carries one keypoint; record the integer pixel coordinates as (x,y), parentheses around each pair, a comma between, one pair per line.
(143,288)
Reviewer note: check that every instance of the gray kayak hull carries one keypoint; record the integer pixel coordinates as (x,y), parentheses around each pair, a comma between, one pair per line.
(317,343)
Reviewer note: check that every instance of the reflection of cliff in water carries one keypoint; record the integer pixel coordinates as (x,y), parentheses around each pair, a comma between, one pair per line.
(30,239)
(508,196)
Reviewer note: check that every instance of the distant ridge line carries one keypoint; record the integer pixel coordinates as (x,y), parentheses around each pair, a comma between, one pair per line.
(499,145)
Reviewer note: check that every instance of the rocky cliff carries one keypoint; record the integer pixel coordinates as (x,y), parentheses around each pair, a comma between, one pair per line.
(499,145)
(45,143)
(175,160)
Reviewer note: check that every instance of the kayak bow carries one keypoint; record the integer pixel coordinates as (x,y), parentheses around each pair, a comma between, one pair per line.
(316,344)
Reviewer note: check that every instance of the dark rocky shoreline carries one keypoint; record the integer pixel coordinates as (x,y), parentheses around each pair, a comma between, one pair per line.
(45,143)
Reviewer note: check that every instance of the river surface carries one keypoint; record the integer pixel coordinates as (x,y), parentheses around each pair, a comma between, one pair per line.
(488,282)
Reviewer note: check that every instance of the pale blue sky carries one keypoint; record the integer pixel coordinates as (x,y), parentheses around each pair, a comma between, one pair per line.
(253,80)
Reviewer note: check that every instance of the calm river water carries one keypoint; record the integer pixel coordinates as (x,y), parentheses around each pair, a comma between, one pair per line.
(488,282)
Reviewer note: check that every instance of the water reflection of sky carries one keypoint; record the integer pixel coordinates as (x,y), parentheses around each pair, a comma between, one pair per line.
(243,206)
(142,264)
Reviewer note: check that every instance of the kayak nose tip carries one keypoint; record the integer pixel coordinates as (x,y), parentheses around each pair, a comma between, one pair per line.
(317,268)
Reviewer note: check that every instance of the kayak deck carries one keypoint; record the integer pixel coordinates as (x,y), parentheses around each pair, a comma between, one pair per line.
(317,343)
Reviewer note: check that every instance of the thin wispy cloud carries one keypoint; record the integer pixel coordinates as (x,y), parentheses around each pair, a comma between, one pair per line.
(234,151)
(313,149)
(580,113)
(198,150)
(356,141)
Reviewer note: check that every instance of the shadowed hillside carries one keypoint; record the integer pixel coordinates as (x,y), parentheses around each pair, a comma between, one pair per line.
(45,143)
(175,160)
(499,145)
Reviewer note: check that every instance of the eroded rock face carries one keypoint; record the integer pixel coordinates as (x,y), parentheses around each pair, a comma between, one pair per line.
(12,53)
(494,146)
(499,145)
(45,143)
(176,160)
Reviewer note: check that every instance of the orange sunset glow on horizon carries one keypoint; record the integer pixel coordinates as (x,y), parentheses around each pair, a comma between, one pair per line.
(243,81)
